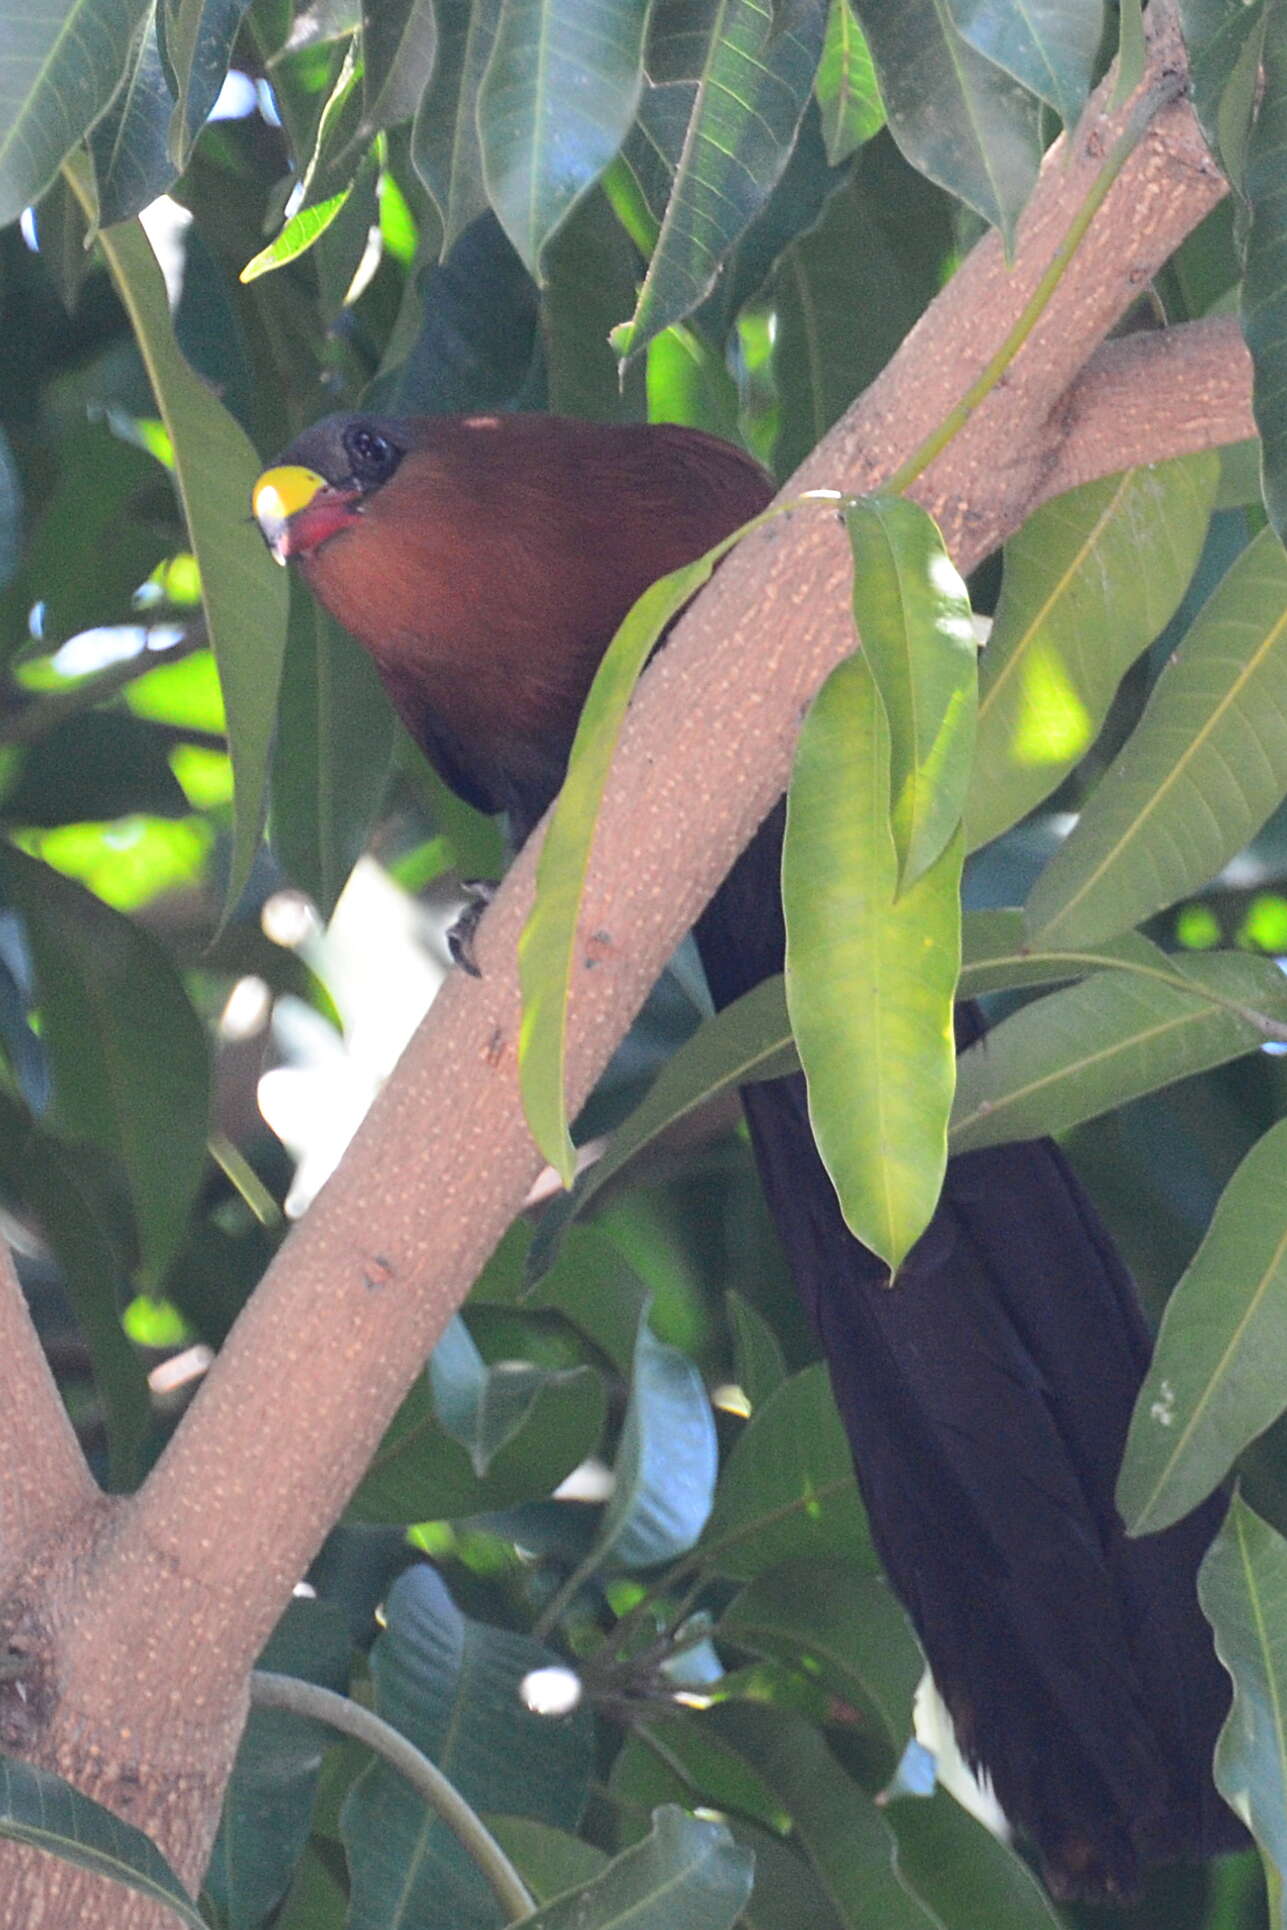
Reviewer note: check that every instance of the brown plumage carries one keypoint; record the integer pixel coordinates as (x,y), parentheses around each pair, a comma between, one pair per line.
(485,564)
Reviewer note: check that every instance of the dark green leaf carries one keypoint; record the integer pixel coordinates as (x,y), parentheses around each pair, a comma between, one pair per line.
(787,1490)
(196,38)
(758,1366)
(845,1623)
(61,61)
(486,1408)
(454,1687)
(98,765)
(46,1813)
(556,101)
(1090,580)
(1204,767)
(332,756)
(960,1870)
(591,271)
(751,90)
(870,974)
(130,1059)
(685,1871)
(846,85)
(1264,288)
(444,142)
(130,147)
(1119,1034)
(399,40)
(1225,42)
(548,1860)
(959,119)
(1049,46)
(1216,1379)
(1243,1591)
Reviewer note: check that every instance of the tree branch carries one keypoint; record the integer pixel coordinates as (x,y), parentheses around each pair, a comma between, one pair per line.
(44,1481)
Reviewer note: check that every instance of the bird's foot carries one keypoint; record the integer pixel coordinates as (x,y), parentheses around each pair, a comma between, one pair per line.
(479,893)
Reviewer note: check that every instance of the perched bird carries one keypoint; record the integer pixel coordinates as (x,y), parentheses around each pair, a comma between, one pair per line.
(485,564)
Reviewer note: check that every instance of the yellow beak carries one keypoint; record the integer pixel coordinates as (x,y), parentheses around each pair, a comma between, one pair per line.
(277,496)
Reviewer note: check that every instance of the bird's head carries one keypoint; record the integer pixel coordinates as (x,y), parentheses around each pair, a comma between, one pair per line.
(321,485)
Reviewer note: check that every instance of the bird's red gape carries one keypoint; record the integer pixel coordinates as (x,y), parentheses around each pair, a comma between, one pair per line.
(485,564)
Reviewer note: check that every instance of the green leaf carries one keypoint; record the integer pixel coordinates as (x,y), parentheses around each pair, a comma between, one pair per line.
(666,1464)
(486,1408)
(420,1473)
(130,147)
(758,1364)
(549,1861)
(399,41)
(1243,1590)
(848,1840)
(557,99)
(1264,286)
(196,39)
(753,71)
(846,85)
(546,950)
(332,755)
(1090,580)
(445,147)
(264,1826)
(453,1686)
(591,272)
(996,956)
(61,61)
(1216,1379)
(46,1813)
(913,615)
(1049,46)
(1116,1036)
(130,1060)
(1225,44)
(1203,769)
(684,1871)
(870,975)
(98,765)
(960,1870)
(958,118)
(787,1490)
(848,1627)
(244,595)
(297,237)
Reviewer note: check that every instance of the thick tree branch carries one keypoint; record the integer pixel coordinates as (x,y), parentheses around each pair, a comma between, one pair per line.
(44,1482)
(298,1399)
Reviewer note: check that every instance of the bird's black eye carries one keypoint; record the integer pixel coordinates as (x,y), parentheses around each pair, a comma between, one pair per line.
(372,456)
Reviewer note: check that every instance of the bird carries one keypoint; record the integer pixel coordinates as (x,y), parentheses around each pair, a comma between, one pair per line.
(485,563)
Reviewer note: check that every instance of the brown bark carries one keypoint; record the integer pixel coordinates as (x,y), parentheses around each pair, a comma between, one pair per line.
(163,1614)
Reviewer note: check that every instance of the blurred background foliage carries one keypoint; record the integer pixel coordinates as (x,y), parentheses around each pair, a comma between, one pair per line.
(223,221)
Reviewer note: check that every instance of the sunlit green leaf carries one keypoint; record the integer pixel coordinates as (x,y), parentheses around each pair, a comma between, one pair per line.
(297,237)
(1204,767)
(1216,1380)
(846,85)
(1090,580)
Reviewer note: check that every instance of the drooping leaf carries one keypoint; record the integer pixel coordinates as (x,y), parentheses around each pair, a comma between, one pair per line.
(913,615)
(787,1490)
(130,147)
(399,41)
(961,120)
(1049,46)
(1215,1382)
(1264,286)
(870,974)
(1203,769)
(305,227)
(445,146)
(61,61)
(1090,580)
(559,94)
(846,85)
(41,1810)
(1243,1590)
(759,1367)
(686,1870)
(848,1625)
(130,1058)
(961,1870)
(1225,44)
(1117,1035)
(486,1408)
(749,94)
(591,268)
(196,39)
(215,466)
(453,1686)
